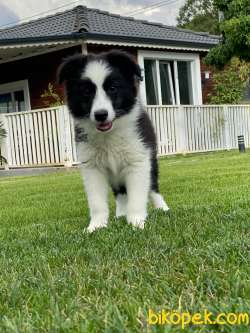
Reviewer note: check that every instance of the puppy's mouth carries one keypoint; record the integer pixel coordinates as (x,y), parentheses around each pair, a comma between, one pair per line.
(104,127)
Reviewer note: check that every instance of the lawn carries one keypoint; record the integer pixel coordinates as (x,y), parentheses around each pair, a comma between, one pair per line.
(56,278)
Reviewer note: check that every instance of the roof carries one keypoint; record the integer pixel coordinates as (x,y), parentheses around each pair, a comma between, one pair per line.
(83,22)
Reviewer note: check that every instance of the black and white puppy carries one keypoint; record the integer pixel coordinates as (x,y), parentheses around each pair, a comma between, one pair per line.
(116,143)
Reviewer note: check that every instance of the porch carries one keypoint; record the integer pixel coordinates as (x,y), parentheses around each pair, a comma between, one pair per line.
(45,137)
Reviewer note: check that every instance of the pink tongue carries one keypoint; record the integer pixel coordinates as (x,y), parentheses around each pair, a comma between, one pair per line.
(104,127)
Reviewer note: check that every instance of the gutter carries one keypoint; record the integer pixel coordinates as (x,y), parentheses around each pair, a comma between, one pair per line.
(108,37)
(144,40)
(26,40)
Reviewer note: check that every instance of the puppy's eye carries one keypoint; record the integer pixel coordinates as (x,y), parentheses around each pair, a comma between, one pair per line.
(86,88)
(112,89)
(87,92)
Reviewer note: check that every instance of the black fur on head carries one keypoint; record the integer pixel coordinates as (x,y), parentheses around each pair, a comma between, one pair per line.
(120,86)
(125,63)
(69,68)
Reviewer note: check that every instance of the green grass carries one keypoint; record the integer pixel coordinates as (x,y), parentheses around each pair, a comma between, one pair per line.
(56,278)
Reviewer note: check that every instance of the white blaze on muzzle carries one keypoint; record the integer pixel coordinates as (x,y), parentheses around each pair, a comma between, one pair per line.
(97,72)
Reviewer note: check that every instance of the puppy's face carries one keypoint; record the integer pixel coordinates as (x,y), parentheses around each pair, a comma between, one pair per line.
(101,88)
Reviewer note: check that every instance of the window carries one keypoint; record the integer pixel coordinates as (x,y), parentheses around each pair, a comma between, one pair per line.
(167,82)
(185,82)
(6,103)
(151,81)
(170,78)
(14,97)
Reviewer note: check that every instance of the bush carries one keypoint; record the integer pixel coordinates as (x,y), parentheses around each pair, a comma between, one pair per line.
(230,83)
(51,97)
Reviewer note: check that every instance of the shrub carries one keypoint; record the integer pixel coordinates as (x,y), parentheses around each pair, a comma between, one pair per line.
(51,96)
(230,83)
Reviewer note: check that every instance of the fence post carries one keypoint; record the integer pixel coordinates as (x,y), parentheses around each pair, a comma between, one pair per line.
(181,135)
(68,154)
(226,127)
(5,148)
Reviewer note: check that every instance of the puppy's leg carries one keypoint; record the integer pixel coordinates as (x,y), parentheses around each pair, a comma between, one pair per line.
(155,196)
(158,201)
(121,204)
(138,184)
(96,187)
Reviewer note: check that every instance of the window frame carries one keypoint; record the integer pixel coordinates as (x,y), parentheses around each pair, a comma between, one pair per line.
(171,82)
(11,87)
(195,70)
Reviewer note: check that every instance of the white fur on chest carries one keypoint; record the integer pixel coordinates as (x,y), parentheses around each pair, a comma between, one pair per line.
(113,153)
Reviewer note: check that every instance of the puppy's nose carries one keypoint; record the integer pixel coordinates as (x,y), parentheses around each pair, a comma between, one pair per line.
(101,115)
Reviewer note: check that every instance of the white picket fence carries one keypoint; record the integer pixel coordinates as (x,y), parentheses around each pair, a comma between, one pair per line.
(39,138)
(46,137)
(187,129)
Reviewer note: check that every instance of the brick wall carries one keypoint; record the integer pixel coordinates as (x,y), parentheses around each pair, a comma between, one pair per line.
(206,84)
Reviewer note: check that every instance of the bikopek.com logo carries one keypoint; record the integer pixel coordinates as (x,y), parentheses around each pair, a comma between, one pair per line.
(206,317)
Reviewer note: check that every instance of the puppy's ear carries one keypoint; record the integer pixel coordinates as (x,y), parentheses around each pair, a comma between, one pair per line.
(125,63)
(71,67)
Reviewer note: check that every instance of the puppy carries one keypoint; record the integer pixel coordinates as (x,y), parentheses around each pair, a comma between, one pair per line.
(116,143)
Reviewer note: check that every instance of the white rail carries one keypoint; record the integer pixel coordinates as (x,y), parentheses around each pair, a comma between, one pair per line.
(46,137)
(183,129)
(39,138)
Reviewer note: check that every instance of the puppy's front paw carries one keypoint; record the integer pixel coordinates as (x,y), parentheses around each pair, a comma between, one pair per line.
(137,221)
(119,213)
(97,223)
(164,207)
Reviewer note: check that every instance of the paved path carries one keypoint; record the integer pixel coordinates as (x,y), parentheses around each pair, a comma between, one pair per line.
(31,171)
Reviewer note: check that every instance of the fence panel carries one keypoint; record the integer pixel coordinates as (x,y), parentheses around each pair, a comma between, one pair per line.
(205,128)
(46,136)
(164,122)
(40,137)
(239,124)
(199,128)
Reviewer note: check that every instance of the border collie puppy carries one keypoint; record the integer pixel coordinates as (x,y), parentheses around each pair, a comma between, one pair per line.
(116,143)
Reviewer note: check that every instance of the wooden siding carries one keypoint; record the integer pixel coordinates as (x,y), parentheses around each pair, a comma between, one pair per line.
(39,70)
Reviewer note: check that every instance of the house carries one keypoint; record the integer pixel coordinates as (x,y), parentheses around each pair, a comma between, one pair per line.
(170,58)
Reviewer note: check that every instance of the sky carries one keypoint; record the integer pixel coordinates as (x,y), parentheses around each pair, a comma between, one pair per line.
(165,11)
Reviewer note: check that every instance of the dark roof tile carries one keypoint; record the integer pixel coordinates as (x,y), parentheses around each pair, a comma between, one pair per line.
(93,21)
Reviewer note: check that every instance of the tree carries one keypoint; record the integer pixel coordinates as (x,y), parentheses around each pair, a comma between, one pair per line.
(235,29)
(199,15)
(230,83)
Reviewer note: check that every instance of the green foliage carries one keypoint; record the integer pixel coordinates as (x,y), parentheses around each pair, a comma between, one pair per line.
(235,28)
(218,56)
(230,83)
(3,134)
(53,97)
(199,15)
